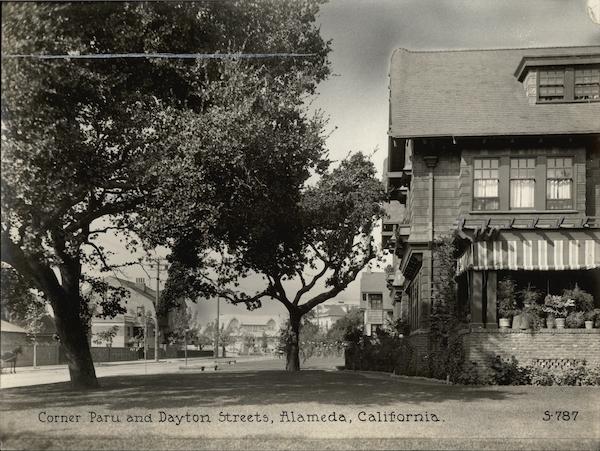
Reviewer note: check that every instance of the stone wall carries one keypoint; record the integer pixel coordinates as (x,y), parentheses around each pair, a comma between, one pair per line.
(580,344)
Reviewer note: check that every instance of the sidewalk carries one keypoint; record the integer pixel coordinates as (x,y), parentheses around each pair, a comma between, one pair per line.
(24,369)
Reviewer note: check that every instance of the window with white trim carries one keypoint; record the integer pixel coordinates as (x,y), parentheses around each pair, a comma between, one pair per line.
(522,183)
(559,183)
(485,184)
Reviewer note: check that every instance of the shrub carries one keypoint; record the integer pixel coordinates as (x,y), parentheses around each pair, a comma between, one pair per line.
(508,372)
(507,305)
(384,353)
(541,377)
(575,320)
(591,376)
(593,315)
(470,375)
(558,306)
(584,302)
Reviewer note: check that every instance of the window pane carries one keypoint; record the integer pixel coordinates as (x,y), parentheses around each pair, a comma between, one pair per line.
(522,193)
(559,188)
(486,188)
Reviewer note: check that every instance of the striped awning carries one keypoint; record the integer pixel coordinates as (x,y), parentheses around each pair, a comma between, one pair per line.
(532,253)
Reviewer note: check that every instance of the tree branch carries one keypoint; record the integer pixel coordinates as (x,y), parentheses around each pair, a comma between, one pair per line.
(307,287)
(99,253)
(104,210)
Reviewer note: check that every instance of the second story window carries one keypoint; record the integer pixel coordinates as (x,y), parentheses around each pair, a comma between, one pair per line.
(485,184)
(559,183)
(569,84)
(587,84)
(522,182)
(375,301)
(551,85)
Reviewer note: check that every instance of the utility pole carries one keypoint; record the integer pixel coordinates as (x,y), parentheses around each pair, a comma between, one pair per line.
(216,353)
(157,262)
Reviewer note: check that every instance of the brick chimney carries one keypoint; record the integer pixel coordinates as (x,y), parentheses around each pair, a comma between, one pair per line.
(140,283)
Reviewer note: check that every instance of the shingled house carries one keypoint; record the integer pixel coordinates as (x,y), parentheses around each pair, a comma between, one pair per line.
(503,147)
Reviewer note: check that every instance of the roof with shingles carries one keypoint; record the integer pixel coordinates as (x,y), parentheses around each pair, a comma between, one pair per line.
(476,93)
(331,310)
(5,326)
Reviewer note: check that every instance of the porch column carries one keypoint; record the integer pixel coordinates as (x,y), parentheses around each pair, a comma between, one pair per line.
(477,300)
(490,308)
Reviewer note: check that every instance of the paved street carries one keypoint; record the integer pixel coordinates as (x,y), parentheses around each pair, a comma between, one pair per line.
(59,373)
(256,405)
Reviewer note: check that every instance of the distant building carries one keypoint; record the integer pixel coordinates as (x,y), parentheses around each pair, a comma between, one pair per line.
(327,315)
(259,327)
(130,324)
(12,336)
(376,302)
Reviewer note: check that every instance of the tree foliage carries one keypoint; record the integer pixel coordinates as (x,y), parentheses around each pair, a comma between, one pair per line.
(87,139)
(324,237)
(352,320)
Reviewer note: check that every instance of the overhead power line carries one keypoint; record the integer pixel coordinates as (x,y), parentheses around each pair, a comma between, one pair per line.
(198,56)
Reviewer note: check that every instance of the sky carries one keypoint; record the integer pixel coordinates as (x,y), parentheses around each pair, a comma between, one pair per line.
(365,32)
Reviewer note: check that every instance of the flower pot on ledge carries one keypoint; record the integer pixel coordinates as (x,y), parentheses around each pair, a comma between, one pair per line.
(560,323)
(504,323)
(589,324)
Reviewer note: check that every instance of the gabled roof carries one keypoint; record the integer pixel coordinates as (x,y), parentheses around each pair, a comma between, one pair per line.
(5,326)
(132,286)
(248,319)
(331,310)
(476,93)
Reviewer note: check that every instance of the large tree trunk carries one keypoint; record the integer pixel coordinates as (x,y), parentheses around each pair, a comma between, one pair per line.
(293,344)
(74,339)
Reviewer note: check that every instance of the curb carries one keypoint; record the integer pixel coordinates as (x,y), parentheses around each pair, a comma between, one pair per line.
(412,379)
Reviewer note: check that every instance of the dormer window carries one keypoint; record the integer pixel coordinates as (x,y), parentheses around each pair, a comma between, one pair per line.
(569,84)
(551,85)
(587,83)
(560,79)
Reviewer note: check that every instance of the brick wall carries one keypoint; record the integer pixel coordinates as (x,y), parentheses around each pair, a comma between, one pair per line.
(419,340)
(580,344)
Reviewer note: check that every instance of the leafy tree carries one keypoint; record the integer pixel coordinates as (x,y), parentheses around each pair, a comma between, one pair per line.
(106,337)
(327,231)
(84,140)
(249,341)
(352,320)
(17,297)
(227,335)
(264,342)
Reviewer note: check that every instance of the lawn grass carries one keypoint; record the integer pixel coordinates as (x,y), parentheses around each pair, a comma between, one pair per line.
(468,417)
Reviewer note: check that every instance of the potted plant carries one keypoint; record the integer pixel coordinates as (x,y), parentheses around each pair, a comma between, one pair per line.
(532,312)
(584,302)
(590,317)
(506,302)
(559,307)
(575,320)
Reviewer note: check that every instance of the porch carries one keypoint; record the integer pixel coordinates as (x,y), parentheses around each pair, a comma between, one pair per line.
(547,260)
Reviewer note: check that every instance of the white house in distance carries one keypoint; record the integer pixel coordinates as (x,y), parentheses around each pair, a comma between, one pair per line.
(375,301)
(130,324)
(256,326)
(327,314)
